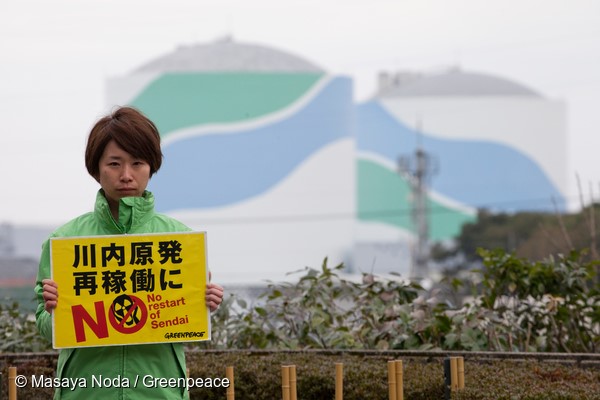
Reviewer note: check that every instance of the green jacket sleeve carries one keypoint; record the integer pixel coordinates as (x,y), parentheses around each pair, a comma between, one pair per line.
(43,319)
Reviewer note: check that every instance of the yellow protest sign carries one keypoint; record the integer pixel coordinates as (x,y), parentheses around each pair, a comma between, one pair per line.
(130,289)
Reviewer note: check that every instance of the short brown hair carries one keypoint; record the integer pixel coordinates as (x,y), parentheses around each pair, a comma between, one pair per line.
(132,131)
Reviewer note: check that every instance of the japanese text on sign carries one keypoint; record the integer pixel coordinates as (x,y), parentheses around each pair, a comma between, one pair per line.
(113,286)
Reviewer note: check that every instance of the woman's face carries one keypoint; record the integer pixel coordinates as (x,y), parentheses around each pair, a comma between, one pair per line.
(121,175)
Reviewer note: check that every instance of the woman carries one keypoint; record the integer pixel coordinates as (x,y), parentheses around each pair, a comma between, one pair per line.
(122,153)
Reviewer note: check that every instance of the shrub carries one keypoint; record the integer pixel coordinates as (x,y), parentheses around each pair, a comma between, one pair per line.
(18,332)
(550,306)
(517,305)
(258,376)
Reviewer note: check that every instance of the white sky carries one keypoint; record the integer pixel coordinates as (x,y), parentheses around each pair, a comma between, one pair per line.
(56,55)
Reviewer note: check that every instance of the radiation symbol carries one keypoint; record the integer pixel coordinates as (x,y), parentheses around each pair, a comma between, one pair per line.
(124,311)
(128,314)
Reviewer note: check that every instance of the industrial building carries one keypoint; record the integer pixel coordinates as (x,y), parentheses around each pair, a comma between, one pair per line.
(271,156)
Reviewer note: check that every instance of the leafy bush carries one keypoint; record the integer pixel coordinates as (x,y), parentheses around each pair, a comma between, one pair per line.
(18,332)
(322,310)
(517,305)
(551,306)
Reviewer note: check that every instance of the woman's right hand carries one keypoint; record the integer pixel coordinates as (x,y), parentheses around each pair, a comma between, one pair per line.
(50,294)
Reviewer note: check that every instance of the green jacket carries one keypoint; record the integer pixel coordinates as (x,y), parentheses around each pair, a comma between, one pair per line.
(136,215)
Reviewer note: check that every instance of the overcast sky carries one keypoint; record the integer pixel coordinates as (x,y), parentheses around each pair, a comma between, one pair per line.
(56,56)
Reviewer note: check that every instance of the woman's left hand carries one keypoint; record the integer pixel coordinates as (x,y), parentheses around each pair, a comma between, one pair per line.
(214,295)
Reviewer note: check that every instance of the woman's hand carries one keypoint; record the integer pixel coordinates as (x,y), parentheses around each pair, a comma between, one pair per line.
(50,294)
(214,294)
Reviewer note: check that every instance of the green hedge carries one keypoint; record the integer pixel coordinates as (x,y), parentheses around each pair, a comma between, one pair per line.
(258,376)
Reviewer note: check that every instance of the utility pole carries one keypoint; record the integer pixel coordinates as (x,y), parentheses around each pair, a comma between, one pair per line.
(417,168)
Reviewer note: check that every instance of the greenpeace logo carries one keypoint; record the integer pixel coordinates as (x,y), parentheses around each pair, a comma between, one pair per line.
(184,335)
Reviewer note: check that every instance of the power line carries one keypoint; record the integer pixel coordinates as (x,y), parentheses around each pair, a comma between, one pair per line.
(407,212)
